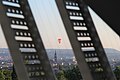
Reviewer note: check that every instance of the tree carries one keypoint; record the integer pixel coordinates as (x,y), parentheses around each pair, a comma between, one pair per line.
(7,74)
(1,75)
(61,76)
(73,74)
(117,72)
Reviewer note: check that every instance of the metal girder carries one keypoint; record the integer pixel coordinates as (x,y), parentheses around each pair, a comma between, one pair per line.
(108,10)
(88,50)
(24,42)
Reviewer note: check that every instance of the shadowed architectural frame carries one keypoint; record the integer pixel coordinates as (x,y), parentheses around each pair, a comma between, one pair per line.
(88,50)
(26,47)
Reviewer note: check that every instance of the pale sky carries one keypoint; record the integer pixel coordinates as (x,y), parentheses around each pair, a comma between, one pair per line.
(2,39)
(51,27)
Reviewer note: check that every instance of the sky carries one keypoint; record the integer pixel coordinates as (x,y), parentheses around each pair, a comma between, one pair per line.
(51,27)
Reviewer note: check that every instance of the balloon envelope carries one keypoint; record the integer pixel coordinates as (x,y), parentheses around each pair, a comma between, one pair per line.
(59,40)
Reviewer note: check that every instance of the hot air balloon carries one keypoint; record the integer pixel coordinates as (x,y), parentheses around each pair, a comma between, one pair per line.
(59,40)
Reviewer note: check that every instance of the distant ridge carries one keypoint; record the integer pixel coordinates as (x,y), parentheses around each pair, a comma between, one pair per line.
(112,54)
(67,53)
(111,50)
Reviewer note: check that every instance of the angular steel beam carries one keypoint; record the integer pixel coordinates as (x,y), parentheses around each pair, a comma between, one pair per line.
(24,42)
(88,50)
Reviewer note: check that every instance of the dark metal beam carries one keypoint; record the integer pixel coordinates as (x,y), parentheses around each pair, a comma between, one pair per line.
(88,50)
(108,10)
(25,44)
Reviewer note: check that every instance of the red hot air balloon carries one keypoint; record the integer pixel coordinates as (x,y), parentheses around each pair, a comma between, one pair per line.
(59,40)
